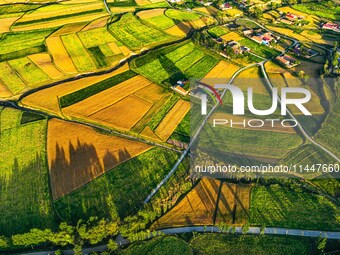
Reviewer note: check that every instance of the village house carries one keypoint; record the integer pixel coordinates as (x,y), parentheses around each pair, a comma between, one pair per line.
(286,61)
(225,6)
(331,26)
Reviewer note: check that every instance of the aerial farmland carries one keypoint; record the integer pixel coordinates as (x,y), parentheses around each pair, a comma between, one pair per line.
(152,126)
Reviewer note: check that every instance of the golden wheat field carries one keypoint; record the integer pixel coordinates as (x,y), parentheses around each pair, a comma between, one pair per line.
(4,92)
(60,56)
(234,203)
(122,115)
(150,13)
(209,198)
(271,67)
(106,98)
(6,23)
(250,77)
(151,93)
(148,133)
(77,154)
(179,30)
(221,73)
(69,29)
(232,36)
(171,120)
(48,99)
(115,48)
(44,62)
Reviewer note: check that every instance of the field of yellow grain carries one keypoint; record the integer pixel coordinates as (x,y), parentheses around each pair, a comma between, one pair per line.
(4,92)
(69,29)
(172,119)
(271,67)
(106,98)
(202,10)
(221,73)
(151,93)
(44,62)
(114,47)
(60,56)
(6,23)
(179,30)
(48,99)
(251,78)
(124,114)
(228,201)
(79,154)
(150,13)
(148,133)
(232,36)
(142,2)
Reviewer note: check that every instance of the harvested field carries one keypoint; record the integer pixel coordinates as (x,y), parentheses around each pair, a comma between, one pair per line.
(266,127)
(172,119)
(179,30)
(198,207)
(150,13)
(79,55)
(80,154)
(48,99)
(28,71)
(11,80)
(60,56)
(121,115)
(44,62)
(107,97)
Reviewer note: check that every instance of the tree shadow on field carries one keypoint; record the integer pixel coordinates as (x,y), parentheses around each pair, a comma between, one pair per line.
(175,74)
(79,166)
(24,197)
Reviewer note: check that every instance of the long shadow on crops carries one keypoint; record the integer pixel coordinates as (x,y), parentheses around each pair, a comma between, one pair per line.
(170,67)
(24,197)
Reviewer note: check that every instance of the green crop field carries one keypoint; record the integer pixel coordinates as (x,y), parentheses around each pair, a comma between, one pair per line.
(120,191)
(218,31)
(13,42)
(135,35)
(161,21)
(218,244)
(280,206)
(175,62)
(10,79)
(330,11)
(80,56)
(95,37)
(260,49)
(160,245)
(330,127)
(250,142)
(179,16)
(24,191)
(28,71)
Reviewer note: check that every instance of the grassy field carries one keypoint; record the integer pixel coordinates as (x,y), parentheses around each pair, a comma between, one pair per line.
(160,245)
(121,191)
(175,62)
(25,197)
(135,35)
(161,21)
(209,202)
(250,142)
(81,154)
(95,37)
(259,49)
(218,31)
(180,16)
(280,206)
(253,245)
(326,134)
(320,10)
